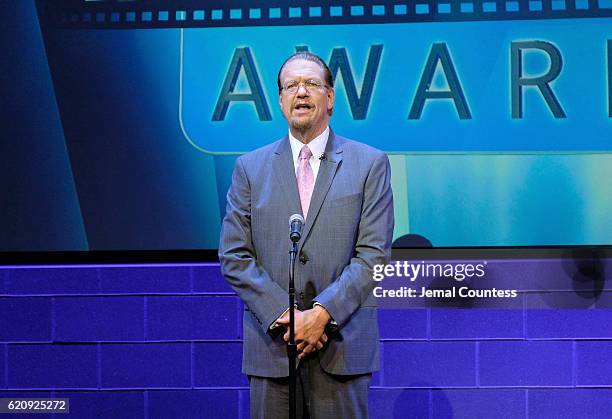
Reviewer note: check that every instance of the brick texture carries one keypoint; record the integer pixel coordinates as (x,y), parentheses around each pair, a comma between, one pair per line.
(192,318)
(62,281)
(194,404)
(208,279)
(105,404)
(478,403)
(99,318)
(569,324)
(152,365)
(403,324)
(525,363)
(218,365)
(594,363)
(429,364)
(139,280)
(35,366)
(574,403)
(25,319)
(476,324)
(3,274)
(3,371)
(403,403)
(164,341)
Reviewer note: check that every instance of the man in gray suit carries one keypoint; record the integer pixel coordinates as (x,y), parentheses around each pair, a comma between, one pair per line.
(342,188)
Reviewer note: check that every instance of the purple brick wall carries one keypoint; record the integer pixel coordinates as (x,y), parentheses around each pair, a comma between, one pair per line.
(3,371)
(476,324)
(104,404)
(3,273)
(593,363)
(211,404)
(429,364)
(50,366)
(49,281)
(145,365)
(165,341)
(226,357)
(570,403)
(99,319)
(25,319)
(192,318)
(569,324)
(399,403)
(525,363)
(146,279)
(403,324)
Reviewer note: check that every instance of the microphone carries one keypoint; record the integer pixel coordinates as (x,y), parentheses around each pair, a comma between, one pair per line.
(296,222)
(322,157)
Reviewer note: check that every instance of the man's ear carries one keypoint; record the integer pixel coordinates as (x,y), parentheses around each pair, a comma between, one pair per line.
(331,95)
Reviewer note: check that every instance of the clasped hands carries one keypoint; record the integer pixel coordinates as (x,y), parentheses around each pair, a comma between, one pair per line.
(309,329)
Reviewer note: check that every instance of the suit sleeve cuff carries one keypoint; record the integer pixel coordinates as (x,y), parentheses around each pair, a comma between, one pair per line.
(275,324)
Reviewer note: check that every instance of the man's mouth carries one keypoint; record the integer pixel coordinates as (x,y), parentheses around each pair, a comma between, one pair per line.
(302,106)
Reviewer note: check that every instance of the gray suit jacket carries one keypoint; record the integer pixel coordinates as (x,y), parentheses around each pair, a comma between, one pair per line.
(348,230)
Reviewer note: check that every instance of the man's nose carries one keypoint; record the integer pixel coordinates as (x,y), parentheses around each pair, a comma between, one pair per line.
(302,90)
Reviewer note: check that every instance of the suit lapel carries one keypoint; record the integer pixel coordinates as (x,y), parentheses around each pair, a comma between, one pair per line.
(284,172)
(327,171)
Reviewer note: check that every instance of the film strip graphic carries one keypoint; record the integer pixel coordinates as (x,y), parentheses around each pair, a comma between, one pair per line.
(126,14)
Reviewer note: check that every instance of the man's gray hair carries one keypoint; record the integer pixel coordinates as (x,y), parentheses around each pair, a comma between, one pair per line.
(308,56)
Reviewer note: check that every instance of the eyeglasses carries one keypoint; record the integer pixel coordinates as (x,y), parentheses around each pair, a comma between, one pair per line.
(293,86)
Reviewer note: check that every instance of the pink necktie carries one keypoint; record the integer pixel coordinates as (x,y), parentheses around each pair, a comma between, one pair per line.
(305,178)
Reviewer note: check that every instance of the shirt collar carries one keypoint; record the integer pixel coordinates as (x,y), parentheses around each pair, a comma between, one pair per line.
(316,146)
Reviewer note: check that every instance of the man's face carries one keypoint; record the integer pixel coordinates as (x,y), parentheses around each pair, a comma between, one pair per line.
(307,110)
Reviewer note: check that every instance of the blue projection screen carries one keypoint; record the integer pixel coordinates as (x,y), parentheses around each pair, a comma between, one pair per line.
(409,87)
(496,115)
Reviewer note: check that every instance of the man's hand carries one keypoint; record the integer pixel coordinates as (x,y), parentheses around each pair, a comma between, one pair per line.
(309,329)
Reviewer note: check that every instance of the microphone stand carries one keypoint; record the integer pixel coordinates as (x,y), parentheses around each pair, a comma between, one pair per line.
(291,346)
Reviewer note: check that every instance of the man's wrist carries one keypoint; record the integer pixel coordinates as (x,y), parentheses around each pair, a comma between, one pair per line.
(322,313)
(331,319)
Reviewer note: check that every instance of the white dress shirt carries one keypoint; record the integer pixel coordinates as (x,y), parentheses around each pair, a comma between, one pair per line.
(316,146)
